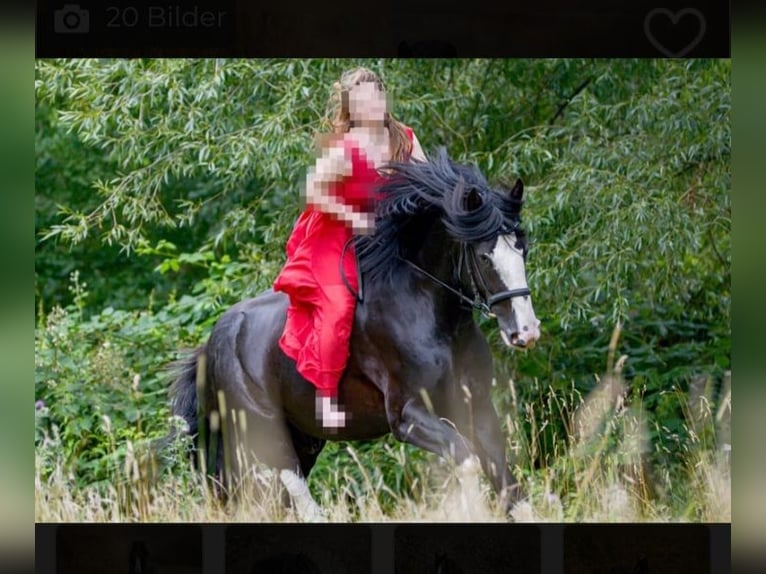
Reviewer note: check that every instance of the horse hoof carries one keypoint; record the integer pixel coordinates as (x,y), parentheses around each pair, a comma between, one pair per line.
(311,513)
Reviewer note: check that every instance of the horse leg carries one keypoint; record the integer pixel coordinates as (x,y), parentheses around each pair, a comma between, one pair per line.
(411,421)
(251,412)
(416,424)
(490,446)
(487,434)
(260,435)
(281,455)
(306,447)
(490,443)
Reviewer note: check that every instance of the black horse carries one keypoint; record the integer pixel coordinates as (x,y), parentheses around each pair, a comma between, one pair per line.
(446,243)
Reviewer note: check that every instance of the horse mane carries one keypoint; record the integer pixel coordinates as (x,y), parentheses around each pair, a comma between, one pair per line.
(416,195)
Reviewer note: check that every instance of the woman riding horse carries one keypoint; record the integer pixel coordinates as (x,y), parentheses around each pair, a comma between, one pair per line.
(321,268)
(446,243)
(408,358)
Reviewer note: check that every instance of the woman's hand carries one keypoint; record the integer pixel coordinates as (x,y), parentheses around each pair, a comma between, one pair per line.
(363,223)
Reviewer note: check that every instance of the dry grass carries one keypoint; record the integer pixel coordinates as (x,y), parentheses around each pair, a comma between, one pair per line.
(604,491)
(607,499)
(183,500)
(599,474)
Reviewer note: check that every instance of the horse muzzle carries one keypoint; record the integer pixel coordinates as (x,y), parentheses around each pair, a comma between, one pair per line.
(521,339)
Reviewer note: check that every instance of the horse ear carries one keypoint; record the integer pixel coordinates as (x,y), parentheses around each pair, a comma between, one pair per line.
(472,199)
(517,191)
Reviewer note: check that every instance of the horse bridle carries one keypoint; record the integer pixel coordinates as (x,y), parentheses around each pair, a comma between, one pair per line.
(484,305)
(466,253)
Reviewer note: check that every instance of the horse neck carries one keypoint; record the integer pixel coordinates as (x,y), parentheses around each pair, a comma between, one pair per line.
(437,256)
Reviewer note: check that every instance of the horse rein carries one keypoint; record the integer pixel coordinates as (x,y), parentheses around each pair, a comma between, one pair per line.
(485,306)
(359,296)
(480,305)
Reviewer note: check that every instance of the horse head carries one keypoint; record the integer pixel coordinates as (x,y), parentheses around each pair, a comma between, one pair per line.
(492,265)
(483,225)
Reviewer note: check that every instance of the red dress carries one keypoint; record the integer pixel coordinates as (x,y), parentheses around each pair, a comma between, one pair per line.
(321,310)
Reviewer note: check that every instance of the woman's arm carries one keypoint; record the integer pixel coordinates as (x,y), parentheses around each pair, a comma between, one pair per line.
(417,151)
(332,167)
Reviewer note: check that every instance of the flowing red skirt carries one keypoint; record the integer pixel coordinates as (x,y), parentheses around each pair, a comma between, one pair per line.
(321,311)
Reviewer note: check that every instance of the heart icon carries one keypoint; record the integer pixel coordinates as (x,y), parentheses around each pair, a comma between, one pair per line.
(659,13)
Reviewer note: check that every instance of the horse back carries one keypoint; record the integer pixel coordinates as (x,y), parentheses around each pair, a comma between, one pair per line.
(243,350)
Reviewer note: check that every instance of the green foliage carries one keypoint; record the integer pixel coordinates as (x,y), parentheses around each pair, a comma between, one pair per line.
(96,382)
(172,186)
(352,470)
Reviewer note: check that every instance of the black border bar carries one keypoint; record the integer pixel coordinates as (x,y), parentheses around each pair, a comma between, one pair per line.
(349,28)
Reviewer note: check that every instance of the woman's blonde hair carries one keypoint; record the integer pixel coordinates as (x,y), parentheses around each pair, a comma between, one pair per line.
(338,119)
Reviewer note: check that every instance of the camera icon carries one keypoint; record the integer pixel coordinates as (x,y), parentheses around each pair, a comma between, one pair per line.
(71,19)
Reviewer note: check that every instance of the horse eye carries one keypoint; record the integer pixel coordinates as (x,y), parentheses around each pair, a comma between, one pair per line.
(485,257)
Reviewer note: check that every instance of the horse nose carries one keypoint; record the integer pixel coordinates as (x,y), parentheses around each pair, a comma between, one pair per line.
(530,333)
(521,340)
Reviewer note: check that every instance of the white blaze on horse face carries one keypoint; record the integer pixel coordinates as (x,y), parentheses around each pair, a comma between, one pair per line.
(509,264)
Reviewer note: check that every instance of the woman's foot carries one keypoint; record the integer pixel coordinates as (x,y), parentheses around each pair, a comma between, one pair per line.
(330,414)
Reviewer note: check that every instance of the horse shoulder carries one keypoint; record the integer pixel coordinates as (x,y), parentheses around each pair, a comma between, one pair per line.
(393,341)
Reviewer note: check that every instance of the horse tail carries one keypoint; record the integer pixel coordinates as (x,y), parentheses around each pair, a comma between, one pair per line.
(187,391)
(161,452)
(184,402)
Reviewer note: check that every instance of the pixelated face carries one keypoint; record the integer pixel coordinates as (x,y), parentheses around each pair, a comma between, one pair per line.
(367,102)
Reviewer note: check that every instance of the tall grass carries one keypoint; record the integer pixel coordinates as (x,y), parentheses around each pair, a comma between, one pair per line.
(601,472)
